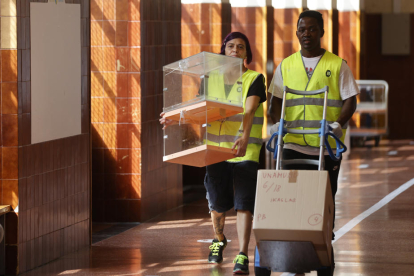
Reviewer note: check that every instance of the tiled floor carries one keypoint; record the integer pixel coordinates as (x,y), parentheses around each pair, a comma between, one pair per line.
(171,244)
(102,231)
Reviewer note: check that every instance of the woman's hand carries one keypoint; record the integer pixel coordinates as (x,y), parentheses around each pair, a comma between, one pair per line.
(241,145)
(251,105)
(166,122)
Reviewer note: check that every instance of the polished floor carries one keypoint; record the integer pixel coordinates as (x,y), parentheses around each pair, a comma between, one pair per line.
(378,242)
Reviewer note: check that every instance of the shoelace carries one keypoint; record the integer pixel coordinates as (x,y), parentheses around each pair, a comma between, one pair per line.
(240,259)
(215,247)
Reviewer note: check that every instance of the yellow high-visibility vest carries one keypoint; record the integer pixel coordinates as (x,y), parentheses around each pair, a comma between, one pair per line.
(225,133)
(305,112)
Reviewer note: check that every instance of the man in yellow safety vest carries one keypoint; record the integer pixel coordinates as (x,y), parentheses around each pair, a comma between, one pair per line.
(312,68)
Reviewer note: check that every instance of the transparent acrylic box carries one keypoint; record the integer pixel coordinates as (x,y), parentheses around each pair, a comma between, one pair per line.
(371,116)
(200,92)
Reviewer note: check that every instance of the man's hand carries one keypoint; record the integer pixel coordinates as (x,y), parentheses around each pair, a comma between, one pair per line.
(336,129)
(241,145)
(274,128)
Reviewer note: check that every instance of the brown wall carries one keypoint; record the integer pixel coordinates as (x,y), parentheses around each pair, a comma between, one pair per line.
(285,40)
(330,24)
(116,110)
(11,115)
(396,70)
(47,184)
(270,66)
(225,19)
(348,39)
(251,21)
(161,44)
(131,41)
(202,27)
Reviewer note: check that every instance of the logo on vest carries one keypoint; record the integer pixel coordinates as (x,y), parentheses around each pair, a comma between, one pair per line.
(328,73)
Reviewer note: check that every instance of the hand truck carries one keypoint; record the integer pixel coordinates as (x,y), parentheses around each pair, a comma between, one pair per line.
(297,257)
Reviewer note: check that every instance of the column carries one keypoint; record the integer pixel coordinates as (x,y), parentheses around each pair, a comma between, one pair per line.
(330,19)
(349,34)
(251,17)
(204,24)
(161,183)
(10,113)
(286,14)
(116,109)
(130,42)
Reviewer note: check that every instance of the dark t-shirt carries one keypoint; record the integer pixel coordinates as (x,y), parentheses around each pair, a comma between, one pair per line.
(258,88)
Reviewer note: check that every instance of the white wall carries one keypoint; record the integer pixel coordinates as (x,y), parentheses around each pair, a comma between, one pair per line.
(55,71)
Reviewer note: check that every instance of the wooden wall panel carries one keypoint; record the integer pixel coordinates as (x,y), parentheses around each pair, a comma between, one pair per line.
(161,183)
(396,70)
(47,184)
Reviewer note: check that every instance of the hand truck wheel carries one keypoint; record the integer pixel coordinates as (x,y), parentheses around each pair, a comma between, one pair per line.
(260,271)
(329,270)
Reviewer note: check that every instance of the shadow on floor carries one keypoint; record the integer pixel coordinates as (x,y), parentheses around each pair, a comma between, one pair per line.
(102,231)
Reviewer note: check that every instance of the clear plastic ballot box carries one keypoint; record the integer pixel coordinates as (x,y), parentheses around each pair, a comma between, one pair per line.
(200,93)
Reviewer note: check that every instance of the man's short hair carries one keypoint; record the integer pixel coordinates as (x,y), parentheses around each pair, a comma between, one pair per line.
(314,14)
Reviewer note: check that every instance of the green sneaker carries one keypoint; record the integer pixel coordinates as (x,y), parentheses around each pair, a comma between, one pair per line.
(241,266)
(216,251)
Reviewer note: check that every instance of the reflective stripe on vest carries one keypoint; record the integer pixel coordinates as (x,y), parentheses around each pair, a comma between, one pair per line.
(309,124)
(225,133)
(230,139)
(305,112)
(312,101)
(239,118)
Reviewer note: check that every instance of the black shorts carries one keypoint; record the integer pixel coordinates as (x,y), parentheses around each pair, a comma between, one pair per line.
(231,185)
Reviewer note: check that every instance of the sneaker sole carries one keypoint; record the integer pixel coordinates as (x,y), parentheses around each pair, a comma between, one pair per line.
(214,262)
(240,272)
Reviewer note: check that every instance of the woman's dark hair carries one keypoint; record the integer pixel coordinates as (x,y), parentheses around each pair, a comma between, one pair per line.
(234,35)
(314,14)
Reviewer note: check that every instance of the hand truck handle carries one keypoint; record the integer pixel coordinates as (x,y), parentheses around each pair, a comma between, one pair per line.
(281,132)
(269,144)
(340,147)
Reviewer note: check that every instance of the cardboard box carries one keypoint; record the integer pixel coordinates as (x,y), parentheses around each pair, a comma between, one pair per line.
(295,206)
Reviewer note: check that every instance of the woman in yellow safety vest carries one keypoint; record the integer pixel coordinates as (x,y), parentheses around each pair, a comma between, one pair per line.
(233,183)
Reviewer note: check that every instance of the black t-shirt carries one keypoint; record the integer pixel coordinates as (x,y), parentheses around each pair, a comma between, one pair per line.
(258,88)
